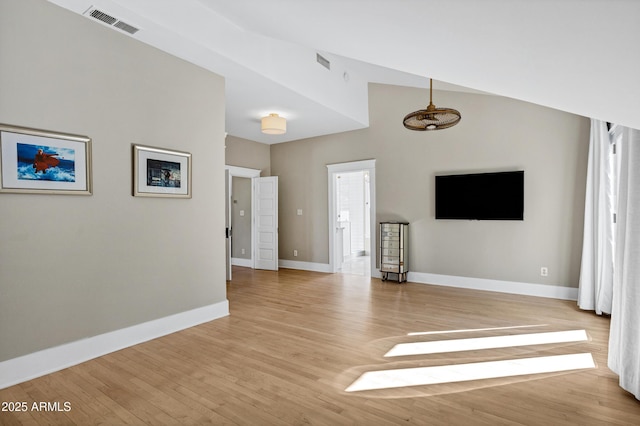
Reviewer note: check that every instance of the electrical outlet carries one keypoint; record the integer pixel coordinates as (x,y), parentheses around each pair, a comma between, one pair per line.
(242,251)
(544,271)
(295,253)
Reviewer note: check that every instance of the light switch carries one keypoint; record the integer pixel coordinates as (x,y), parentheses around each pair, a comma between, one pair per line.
(299,212)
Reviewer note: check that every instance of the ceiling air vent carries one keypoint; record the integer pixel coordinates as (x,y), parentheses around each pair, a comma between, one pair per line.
(103,17)
(126,27)
(323,61)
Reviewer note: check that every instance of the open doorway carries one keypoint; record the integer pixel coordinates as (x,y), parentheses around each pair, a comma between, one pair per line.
(352,217)
(353,231)
(241,244)
(232,216)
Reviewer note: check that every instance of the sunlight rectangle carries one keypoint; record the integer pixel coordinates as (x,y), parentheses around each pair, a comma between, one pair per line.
(421,376)
(458,345)
(423,333)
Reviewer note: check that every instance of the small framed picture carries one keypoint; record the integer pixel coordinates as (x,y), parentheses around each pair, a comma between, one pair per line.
(159,172)
(36,161)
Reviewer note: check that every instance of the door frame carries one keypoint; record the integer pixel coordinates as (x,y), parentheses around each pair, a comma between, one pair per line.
(244,172)
(333,171)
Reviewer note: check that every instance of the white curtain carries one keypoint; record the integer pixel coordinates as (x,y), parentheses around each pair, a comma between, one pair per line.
(596,273)
(624,337)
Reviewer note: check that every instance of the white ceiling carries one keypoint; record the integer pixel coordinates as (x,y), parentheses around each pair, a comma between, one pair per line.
(579,56)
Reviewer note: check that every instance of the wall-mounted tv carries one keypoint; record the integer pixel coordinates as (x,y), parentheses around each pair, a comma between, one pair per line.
(481,196)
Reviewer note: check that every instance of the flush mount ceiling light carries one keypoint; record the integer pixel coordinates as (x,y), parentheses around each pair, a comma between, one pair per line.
(431,118)
(273,124)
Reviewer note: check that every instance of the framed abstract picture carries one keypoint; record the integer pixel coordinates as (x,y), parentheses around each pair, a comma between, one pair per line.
(34,161)
(159,172)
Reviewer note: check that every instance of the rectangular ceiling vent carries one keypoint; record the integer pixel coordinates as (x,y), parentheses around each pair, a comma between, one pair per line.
(323,61)
(126,27)
(105,18)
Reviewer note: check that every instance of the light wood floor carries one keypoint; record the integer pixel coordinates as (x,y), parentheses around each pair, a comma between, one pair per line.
(296,340)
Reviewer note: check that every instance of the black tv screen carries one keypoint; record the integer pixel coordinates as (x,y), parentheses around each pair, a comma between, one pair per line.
(481,196)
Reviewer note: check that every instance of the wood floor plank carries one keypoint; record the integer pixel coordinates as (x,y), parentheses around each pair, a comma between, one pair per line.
(296,340)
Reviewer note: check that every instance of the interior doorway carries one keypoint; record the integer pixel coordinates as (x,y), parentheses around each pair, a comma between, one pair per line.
(241,213)
(232,173)
(352,217)
(353,231)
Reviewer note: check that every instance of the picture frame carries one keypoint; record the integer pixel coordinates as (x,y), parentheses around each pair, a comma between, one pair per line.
(35,161)
(160,172)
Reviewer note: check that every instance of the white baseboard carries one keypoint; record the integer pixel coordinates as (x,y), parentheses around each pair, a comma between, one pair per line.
(27,367)
(304,266)
(513,287)
(236,261)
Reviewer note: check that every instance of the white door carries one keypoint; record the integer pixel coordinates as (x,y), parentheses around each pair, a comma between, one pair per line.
(339,247)
(265,193)
(227,222)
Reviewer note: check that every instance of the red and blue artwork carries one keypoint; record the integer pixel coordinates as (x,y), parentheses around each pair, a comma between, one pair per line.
(40,162)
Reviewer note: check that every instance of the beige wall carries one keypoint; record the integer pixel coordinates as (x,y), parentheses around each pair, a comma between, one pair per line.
(241,224)
(495,134)
(77,266)
(245,153)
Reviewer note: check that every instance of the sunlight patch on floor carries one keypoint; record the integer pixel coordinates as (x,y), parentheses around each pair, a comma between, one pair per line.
(493,342)
(420,376)
(424,333)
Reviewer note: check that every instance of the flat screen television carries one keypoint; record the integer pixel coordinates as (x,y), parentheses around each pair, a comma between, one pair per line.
(481,196)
